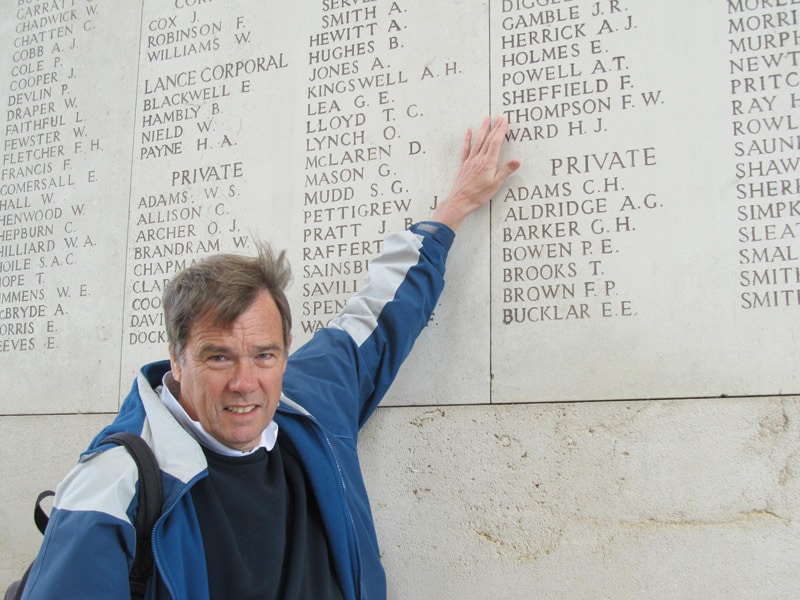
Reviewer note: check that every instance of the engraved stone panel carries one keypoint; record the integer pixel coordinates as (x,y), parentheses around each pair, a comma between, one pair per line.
(650,247)
(68,78)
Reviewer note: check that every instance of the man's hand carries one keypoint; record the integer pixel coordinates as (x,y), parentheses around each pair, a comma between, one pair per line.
(479,176)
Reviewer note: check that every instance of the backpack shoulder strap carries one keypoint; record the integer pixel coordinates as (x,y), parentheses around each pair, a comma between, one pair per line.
(150,498)
(40,517)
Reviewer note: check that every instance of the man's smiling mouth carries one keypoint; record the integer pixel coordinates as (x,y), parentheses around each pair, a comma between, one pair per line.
(240,410)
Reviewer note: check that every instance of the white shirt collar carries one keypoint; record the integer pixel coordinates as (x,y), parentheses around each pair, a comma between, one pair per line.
(268,437)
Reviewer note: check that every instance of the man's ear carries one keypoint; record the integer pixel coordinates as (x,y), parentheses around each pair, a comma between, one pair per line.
(288,347)
(175,364)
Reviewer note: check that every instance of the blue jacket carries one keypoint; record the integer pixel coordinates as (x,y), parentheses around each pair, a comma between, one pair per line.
(331,386)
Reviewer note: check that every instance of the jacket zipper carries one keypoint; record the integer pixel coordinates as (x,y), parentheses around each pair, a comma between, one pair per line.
(321,430)
(164,514)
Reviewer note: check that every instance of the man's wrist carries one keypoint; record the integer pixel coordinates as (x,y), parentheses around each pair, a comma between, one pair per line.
(436,230)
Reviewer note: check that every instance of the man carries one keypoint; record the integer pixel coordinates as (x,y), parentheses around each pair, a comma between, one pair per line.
(263,494)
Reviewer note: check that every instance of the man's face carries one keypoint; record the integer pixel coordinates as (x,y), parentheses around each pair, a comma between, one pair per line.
(231,378)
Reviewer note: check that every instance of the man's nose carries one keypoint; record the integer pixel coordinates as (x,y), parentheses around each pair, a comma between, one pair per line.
(245,377)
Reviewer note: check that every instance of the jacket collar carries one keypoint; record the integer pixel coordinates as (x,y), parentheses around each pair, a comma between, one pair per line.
(177,452)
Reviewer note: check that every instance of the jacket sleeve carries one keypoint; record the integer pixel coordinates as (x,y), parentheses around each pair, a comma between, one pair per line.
(89,541)
(348,366)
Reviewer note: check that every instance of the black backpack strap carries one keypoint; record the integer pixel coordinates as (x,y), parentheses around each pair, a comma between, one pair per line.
(39,516)
(150,498)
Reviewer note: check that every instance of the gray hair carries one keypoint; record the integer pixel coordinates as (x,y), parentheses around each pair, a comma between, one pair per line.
(224,286)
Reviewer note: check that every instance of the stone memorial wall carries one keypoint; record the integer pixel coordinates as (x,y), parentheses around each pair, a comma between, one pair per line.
(648,248)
